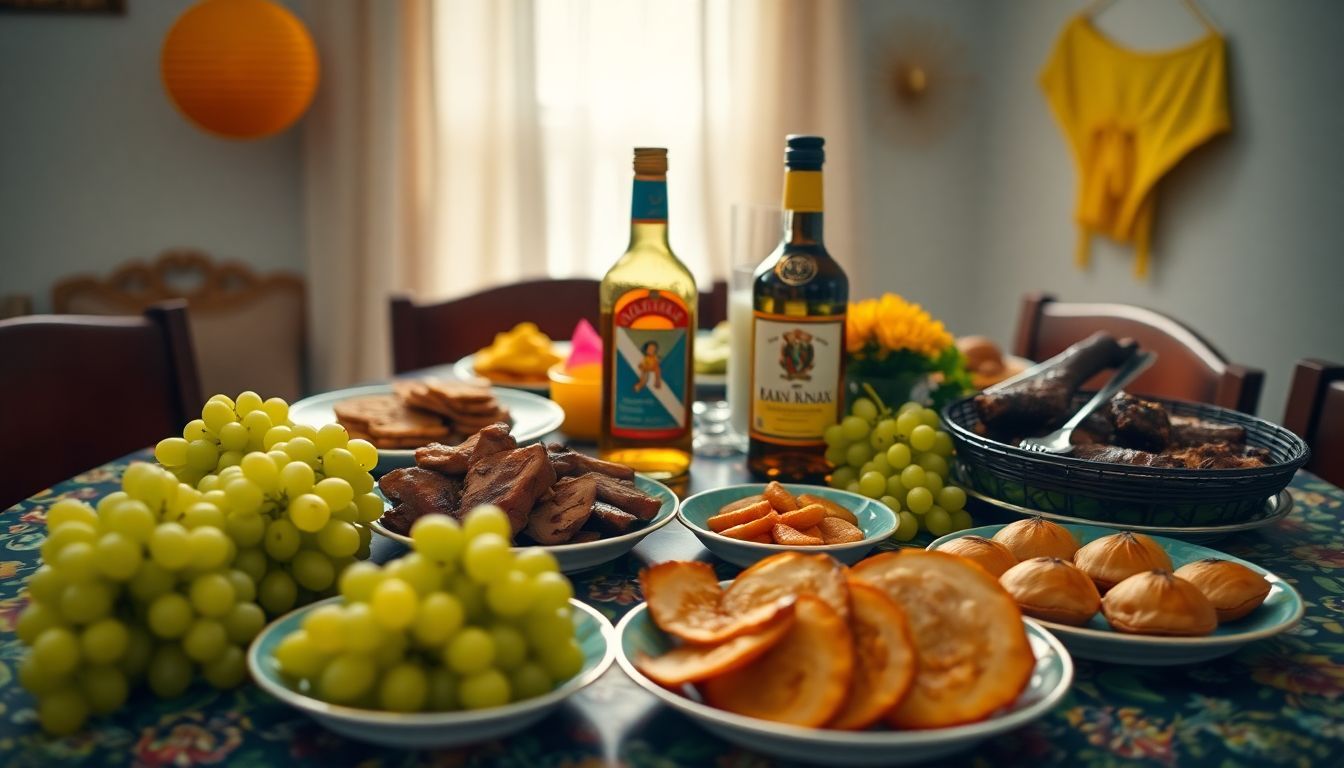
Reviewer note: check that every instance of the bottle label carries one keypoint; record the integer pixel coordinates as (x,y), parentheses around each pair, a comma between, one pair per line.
(796,269)
(650,365)
(648,200)
(795,377)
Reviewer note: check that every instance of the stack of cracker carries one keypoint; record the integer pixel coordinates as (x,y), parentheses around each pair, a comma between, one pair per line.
(421,412)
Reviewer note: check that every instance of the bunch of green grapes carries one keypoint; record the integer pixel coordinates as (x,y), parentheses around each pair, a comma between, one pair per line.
(459,623)
(296,500)
(900,458)
(145,588)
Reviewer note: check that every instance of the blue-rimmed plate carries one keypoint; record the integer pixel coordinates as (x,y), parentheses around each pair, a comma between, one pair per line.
(1281,610)
(1049,682)
(430,730)
(875,520)
(579,557)
(533,417)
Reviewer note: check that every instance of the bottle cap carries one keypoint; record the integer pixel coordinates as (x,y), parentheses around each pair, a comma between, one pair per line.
(804,153)
(651,161)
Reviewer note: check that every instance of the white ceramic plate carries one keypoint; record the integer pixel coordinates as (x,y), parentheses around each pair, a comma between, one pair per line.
(466,369)
(579,557)
(1049,682)
(533,417)
(1281,610)
(430,730)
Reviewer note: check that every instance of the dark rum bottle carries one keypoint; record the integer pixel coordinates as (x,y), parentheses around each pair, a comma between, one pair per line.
(799,298)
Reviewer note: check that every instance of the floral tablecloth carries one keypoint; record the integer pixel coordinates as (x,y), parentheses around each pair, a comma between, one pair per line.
(1277,702)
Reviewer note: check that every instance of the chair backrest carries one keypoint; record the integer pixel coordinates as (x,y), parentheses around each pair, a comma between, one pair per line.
(248,329)
(424,335)
(1316,413)
(1187,367)
(79,391)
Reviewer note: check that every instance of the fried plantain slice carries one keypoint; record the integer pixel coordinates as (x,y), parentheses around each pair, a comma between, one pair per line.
(803,517)
(884,658)
(970,641)
(793,537)
(833,509)
(750,530)
(835,530)
(693,663)
(685,600)
(785,574)
(725,520)
(779,497)
(802,680)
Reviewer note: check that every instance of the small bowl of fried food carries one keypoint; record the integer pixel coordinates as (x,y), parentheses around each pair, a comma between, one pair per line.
(744,523)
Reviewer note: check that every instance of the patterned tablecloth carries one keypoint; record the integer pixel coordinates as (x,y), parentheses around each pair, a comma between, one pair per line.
(1276,702)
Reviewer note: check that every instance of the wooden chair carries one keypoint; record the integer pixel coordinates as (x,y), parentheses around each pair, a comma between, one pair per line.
(1187,368)
(425,335)
(1316,413)
(79,391)
(248,329)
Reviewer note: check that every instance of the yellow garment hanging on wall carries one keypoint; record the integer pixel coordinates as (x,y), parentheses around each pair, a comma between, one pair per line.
(1129,116)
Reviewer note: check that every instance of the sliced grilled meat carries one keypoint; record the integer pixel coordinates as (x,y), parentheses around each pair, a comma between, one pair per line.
(569,462)
(1114,454)
(1039,404)
(416,492)
(583,537)
(1215,456)
(623,495)
(512,480)
(457,459)
(1141,424)
(399,519)
(556,520)
(1190,431)
(610,521)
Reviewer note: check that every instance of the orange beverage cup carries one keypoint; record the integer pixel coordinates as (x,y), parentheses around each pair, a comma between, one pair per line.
(579,392)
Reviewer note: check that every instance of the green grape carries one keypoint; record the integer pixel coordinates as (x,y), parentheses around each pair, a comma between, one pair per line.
(392,650)
(366,455)
(277,409)
(104,505)
(62,712)
(261,469)
(912,476)
(394,604)
(929,417)
(233,437)
(551,590)
(470,651)
(306,431)
(887,428)
(210,548)
(104,688)
(329,436)
(205,640)
(933,482)
(907,525)
(338,539)
(252,562)
(487,519)
(529,681)
(216,414)
(258,424)
(244,495)
(275,436)
(873,485)
(246,530)
(69,533)
(35,619)
(244,622)
(301,448)
(437,537)
(282,540)
(313,570)
(195,430)
(223,398)
(880,441)
(171,452)
(487,557)
(894,487)
(418,571)
(921,438)
(247,402)
(278,455)
(510,646)
(858,454)
(78,561)
(487,688)
(879,464)
(227,670)
(909,405)
(150,581)
(37,679)
(83,602)
(362,633)
(919,500)
(203,514)
(70,511)
(952,498)
(853,487)
(299,657)
(837,454)
(545,628)
(212,594)
(938,521)
(169,616)
(843,476)
(325,626)
(866,468)
(277,592)
(133,519)
(834,436)
(118,556)
(961,520)
(934,463)
(942,444)
(208,483)
(46,584)
(358,582)
(442,690)
(892,503)
(347,514)
(229,459)
(854,427)
(562,660)
(309,512)
(404,688)
(535,561)
(510,594)
(906,424)
(864,408)
(297,478)
(202,455)
(471,595)
(339,462)
(361,483)
(346,678)
(335,491)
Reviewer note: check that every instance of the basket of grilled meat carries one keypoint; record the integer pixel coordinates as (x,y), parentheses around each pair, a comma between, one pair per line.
(1136,461)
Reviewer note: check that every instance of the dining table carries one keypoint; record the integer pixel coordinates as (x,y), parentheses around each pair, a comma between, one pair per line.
(1275,702)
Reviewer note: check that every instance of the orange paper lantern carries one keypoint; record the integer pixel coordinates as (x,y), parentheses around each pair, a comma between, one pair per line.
(242,69)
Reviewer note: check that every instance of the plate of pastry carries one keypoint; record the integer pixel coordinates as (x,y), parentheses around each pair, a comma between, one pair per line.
(1130,598)
(406,414)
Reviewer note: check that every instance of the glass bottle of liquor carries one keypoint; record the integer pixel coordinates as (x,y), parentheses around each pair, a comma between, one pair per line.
(799,298)
(648,324)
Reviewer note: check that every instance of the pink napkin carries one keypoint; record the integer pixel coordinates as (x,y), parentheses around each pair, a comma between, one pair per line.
(587,346)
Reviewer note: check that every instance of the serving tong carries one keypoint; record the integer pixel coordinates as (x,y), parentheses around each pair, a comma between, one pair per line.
(1060,441)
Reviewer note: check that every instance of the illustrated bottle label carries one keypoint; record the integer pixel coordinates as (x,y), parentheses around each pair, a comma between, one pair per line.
(649,369)
(795,377)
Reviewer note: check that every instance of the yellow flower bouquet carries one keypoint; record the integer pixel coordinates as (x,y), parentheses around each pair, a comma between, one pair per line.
(900,350)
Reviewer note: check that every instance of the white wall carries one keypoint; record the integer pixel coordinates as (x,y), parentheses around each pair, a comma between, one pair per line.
(1249,240)
(97,166)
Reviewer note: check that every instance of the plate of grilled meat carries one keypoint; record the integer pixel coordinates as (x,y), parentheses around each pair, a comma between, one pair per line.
(582,510)
(1133,461)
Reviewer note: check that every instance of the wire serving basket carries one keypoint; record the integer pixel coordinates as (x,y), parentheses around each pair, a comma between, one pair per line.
(1121,493)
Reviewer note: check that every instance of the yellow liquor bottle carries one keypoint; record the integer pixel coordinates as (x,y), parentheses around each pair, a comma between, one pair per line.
(648,331)
(799,298)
